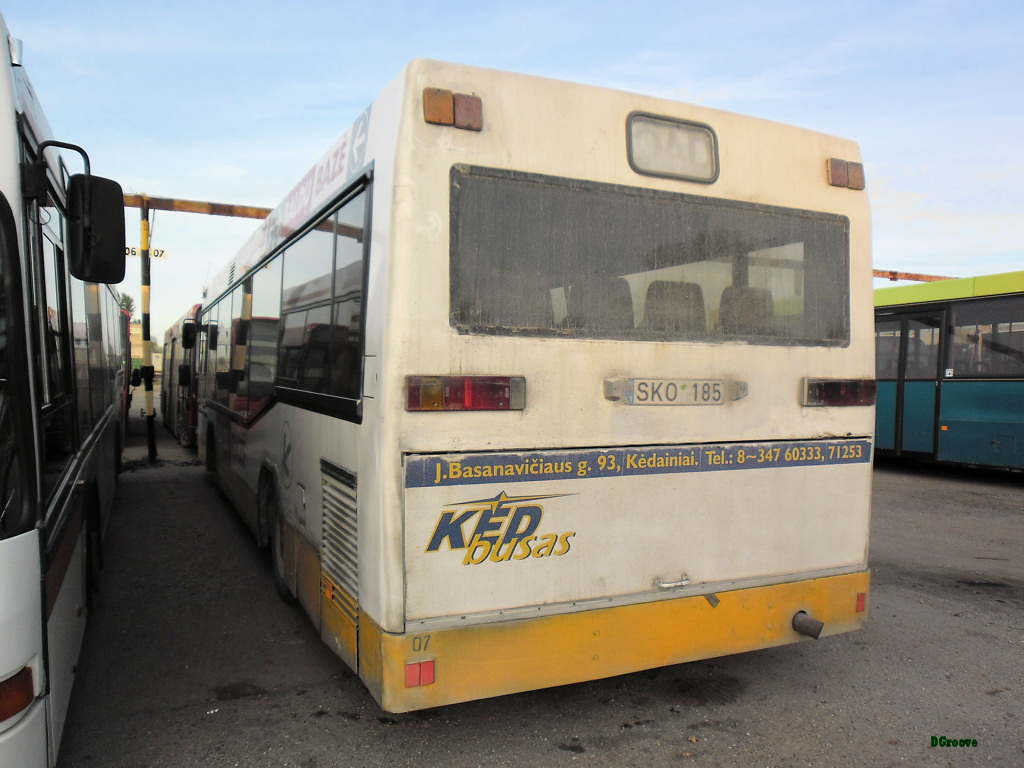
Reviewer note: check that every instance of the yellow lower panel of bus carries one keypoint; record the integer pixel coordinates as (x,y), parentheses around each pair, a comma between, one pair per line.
(416,671)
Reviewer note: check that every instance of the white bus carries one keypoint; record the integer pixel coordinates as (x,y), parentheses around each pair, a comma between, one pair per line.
(62,388)
(568,383)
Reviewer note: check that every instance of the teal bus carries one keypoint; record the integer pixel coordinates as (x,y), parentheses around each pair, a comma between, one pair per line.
(950,369)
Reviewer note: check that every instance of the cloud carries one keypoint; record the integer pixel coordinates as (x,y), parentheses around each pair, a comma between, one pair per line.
(914,232)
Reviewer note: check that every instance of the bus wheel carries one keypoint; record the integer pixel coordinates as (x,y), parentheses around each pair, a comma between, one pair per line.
(211,454)
(277,559)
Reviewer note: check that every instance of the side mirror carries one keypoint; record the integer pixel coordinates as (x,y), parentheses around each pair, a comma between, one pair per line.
(95,229)
(184,375)
(188,334)
(136,380)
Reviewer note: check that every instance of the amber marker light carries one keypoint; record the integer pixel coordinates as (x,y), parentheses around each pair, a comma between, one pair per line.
(438,106)
(17,693)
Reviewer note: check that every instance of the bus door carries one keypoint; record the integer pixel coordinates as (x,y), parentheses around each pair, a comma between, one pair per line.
(183,391)
(918,382)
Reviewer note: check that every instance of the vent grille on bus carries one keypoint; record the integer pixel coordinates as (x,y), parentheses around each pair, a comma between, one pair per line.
(340,555)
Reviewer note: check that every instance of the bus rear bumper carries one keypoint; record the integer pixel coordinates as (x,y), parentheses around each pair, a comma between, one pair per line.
(415,671)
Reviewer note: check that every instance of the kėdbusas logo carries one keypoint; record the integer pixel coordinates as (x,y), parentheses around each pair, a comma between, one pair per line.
(502,529)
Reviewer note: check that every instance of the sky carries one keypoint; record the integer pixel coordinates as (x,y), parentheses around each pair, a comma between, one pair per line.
(233,101)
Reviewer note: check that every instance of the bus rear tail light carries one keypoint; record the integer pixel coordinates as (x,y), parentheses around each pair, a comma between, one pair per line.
(17,693)
(465,393)
(824,393)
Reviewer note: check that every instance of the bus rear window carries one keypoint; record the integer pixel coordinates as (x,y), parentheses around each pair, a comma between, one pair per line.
(545,256)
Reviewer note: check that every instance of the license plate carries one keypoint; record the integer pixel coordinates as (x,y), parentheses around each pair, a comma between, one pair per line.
(674,392)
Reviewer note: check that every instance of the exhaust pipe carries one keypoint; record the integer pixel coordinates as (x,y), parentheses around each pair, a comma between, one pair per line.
(806,624)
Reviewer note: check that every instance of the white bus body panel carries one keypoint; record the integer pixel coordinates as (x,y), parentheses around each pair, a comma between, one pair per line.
(20,613)
(699,527)
(65,631)
(21,745)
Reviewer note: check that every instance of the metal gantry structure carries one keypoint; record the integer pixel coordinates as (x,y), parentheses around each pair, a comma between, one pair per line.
(894,276)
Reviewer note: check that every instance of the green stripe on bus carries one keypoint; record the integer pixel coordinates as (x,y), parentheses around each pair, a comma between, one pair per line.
(945,290)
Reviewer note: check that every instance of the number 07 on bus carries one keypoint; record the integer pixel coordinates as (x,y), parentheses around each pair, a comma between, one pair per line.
(528,383)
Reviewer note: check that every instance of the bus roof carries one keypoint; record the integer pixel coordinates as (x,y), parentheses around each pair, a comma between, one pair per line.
(946,290)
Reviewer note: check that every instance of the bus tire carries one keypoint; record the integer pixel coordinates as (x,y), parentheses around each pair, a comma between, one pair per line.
(211,454)
(278,566)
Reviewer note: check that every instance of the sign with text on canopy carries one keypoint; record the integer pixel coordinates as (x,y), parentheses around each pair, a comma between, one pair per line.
(135,251)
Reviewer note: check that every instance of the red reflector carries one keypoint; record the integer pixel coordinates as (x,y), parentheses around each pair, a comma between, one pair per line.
(465,393)
(412,675)
(862,602)
(837,392)
(17,694)
(469,112)
(419,673)
(427,673)
(855,171)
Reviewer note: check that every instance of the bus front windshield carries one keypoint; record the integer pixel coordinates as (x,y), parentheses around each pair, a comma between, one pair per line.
(545,256)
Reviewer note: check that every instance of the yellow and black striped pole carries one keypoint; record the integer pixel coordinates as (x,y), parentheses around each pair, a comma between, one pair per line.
(148,373)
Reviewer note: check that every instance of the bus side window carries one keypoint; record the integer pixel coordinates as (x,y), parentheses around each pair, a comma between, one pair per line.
(321,305)
(263,333)
(887,348)
(346,341)
(989,337)
(305,306)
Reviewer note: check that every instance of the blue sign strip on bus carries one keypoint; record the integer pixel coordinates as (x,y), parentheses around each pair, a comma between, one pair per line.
(481,468)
